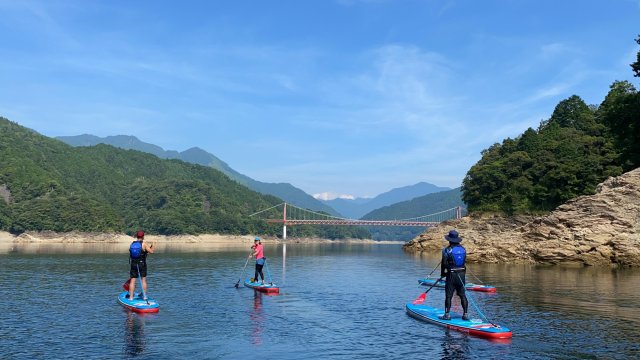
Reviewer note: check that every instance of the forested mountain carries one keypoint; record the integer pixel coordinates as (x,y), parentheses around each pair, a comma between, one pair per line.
(195,155)
(567,156)
(355,208)
(423,205)
(46,184)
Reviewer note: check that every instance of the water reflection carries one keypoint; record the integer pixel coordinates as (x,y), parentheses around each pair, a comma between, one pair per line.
(455,347)
(134,338)
(257,318)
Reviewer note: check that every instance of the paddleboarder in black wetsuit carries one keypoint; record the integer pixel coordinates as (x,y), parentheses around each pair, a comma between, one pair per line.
(139,263)
(453,267)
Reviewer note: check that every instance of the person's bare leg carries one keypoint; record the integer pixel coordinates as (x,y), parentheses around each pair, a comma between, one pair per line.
(132,287)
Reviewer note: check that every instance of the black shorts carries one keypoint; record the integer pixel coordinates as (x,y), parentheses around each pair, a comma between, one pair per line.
(134,269)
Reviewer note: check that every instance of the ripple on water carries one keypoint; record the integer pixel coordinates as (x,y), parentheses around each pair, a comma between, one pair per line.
(337,302)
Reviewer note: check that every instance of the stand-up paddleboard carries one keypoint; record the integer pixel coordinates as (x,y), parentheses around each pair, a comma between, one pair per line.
(268,288)
(467,286)
(475,327)
(138,304)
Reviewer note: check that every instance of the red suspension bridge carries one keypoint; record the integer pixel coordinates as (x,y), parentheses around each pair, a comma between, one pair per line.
(293,215)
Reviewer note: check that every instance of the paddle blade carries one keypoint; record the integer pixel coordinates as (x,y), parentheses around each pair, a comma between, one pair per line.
(125,286)
(420,299)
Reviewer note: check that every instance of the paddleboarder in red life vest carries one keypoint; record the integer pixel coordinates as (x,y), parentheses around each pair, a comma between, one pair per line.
(453,268)
(138,259)
(258,252)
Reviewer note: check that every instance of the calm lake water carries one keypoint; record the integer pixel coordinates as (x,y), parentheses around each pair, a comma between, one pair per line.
(338,301)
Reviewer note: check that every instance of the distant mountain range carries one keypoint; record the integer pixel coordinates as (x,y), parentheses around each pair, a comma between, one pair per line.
(419,206)
(284,191)
(356,208)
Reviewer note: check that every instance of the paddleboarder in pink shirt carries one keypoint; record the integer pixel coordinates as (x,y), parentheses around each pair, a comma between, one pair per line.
(258,252)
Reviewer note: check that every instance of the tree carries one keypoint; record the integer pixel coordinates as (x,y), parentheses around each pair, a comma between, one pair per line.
(636,65)
(620,112)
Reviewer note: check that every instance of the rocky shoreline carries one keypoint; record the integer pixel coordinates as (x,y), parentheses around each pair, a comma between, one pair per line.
(601,229)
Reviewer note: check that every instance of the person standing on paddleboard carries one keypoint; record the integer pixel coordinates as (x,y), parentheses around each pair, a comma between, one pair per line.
(258,252)
(138,260)
(453,268)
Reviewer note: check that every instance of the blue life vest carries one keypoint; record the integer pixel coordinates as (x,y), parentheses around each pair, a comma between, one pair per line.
(135,250)
(455,255)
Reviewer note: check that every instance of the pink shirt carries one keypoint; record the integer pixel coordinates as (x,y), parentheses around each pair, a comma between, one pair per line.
(259,251)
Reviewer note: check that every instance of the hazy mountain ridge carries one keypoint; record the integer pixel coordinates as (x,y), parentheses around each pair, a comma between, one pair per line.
(419,206)
(196,155)
(358,207)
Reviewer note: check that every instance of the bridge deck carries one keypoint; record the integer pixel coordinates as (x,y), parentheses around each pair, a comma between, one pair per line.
(355,222)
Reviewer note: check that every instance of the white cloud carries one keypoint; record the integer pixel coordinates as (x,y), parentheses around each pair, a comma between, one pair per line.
(331,196)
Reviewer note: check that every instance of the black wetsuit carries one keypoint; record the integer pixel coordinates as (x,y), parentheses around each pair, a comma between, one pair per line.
(259,265)
(139,263)
(454,279)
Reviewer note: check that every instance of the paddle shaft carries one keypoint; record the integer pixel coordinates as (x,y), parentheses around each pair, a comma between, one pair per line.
(243,270)
(144,295)
(434,284)
(434,269)
(268,273)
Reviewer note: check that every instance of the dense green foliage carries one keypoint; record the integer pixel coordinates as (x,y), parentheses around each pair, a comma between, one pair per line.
(635,66)
(620,112)
(569,154)
(48,185)
(195,155)
(419,206)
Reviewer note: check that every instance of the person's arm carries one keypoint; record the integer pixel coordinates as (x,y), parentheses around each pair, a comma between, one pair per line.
(149,248)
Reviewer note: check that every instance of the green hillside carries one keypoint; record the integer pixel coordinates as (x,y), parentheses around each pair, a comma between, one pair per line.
(567,156)
(48,185)
(195,155)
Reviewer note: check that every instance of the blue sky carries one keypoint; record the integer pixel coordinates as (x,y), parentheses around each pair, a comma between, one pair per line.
(345,97)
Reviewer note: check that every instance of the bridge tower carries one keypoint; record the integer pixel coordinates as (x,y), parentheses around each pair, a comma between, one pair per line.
(284,242)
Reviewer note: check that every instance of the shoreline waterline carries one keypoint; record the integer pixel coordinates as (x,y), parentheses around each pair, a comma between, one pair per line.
(78,242)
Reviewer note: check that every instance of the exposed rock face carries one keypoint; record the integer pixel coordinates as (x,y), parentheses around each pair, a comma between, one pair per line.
(5,194)
(600,229)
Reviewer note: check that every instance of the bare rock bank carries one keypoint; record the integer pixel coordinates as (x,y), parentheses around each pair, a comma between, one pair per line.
(600,229)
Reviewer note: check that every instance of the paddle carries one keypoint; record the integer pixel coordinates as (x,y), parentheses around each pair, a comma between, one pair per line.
(237,285)
(268,273)
(420,299)
(144,296)
(125,286)
(434,269)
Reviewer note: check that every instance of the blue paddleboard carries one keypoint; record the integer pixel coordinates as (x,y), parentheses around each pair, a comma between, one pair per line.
(138,304)
(268,288)
(475,327)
